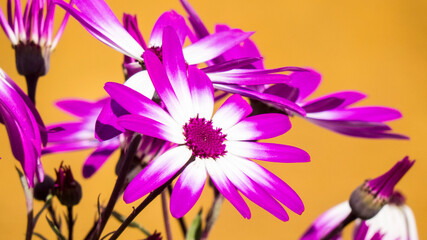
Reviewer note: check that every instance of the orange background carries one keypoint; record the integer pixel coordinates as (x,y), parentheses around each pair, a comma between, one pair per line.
(377,47)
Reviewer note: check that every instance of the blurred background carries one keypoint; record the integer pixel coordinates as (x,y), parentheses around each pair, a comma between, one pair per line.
(376,47)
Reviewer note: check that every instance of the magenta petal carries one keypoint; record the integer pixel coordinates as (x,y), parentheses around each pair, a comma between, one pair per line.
(259,127)
(151,128)
(159,171)
(232,111)
(348,98)
(306,82)
(163,86)
(71,131)
(188,188)
(70,146)
(81,108)
(173,20)
(202,92)
(106,126)
(231,77)
(279,102)
(251,189)
(327,221)
(226,188)
(368,114)
(99,156)
(271,152)
(101,22)
(136,103)
(175,66)
(214,45)
(272,184)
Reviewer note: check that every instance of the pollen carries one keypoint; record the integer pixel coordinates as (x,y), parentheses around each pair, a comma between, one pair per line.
(203,139)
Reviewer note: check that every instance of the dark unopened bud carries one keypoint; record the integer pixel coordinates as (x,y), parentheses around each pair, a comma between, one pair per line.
(154,236)
(42,189)
(67,189)
(368,199)
(31,59)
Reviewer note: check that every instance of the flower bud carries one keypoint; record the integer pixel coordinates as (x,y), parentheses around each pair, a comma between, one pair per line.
(31,59)
(67,189)
(368,199)
(42,189)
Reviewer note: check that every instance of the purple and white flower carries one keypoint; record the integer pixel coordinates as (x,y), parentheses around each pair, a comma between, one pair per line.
(389,218)
(24,126)
(221,144)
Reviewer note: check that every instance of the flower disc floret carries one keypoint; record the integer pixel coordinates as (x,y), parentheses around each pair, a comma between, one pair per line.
(203,139)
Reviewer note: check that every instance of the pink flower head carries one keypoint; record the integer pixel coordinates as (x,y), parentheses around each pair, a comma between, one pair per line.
(220,144)
(24,126)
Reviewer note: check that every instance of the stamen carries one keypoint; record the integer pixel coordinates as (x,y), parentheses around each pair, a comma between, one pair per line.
(203,139)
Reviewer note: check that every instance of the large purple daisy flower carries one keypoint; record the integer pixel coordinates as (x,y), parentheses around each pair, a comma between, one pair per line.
(221,144)
(24,126)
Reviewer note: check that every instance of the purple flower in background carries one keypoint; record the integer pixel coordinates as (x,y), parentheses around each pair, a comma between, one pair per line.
(220,144)
(395,221)
(24,126)
(334,111)
(79,135)
(375,203)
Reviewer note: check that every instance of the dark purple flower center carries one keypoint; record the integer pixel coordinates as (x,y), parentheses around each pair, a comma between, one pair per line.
(203,139)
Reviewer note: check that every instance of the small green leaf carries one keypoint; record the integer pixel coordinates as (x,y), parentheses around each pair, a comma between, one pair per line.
(195,230)
(55,229)
(47,203)
(136,225)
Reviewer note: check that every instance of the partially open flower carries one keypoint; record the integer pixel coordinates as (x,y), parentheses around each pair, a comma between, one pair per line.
(67,189)
(368,199)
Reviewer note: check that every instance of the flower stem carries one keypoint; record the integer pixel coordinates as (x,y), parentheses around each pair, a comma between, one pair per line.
(29,225)
(166,216)
(130,153)
(70,222)
(53,215)
(147,201)
(181,220)
(31,87)
(350,218)
(213,214)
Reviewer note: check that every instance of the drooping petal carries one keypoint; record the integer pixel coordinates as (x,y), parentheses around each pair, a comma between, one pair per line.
(70,146)
(214,45)
(202,93)
(188,188)
(271,152)
(172,19)
(231,77)
(99,156)
(259,127)
(159,171)
(226,188)
(232,111)
(251,189)
(152,128)
(272,184)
